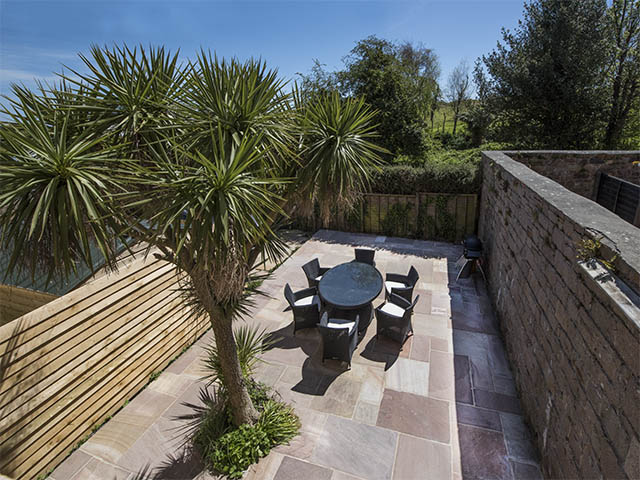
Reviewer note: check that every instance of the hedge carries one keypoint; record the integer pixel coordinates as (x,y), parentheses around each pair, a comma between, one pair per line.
(446,172)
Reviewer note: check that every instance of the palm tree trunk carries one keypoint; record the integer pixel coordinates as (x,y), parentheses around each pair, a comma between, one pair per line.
(241,406)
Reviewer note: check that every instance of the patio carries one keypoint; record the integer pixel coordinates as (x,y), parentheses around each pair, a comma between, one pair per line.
(444,406)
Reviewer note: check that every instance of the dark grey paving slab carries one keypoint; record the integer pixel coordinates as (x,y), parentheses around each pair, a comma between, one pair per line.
(478,417)
(463,379)
(497,401)
(525,471)
(518,438)
(362,450)
(483,453)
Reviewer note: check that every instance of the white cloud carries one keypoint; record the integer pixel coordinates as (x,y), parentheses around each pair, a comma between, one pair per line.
(8,75)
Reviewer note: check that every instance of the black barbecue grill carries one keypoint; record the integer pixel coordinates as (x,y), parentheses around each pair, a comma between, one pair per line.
(470,259)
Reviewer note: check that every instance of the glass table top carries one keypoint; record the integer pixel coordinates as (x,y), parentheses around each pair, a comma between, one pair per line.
(350,285)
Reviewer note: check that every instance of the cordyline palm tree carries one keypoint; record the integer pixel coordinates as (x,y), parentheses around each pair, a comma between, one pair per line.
(201,161)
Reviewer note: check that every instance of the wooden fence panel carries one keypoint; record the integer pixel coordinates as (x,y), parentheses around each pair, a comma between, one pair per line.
(16,301)
(427,216)
(73,362)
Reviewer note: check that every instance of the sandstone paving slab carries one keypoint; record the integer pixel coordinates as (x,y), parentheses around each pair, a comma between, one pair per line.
(441,376)
(420,348)
(72,465)
(97,470)
(362,450)
(294,469)
(266,468)
(407,375)
(338,475)
(339,398)
(415,415)
(113,440)
(366,412)
(419,458)
(163,450)
(150,405)
(440,344)
(191,399)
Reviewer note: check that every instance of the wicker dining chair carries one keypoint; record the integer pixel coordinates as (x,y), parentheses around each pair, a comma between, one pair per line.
(365,255)
(339,332)
(305,305)
(402,285)
(393,318)
(313,271)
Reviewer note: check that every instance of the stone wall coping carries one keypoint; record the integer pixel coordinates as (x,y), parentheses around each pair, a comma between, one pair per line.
(574,153)
(619,236)
(624,300)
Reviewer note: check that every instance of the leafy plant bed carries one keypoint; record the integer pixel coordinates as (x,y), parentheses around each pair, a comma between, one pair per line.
(223,446)
(230,450)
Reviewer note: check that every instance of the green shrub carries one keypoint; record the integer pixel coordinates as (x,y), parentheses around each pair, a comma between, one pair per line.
(224,447)
(278,421)
(444,172)
(230,450)
(398,221)
(238,449)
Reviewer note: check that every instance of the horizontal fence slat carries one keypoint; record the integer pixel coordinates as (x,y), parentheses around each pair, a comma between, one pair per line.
(426,216)
(72,362)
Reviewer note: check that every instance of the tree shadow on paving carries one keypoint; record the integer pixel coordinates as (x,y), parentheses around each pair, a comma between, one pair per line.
(185,462)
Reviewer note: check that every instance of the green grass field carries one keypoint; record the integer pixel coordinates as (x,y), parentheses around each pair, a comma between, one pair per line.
(445,113)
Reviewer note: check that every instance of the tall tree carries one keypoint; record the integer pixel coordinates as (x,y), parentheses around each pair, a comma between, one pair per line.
(479,116)
(458,90)
(200,161)
(548,76)
(624,18)
(400,81)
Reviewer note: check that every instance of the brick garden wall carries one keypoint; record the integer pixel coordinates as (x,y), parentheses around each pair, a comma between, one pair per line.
(572,333)
(577,171)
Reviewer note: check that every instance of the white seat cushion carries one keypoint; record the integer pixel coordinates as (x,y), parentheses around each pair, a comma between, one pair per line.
(312,299)
(340,323)
(392,309)
(389,285)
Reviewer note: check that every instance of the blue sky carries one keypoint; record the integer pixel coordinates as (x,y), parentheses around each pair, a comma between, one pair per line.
(38,37)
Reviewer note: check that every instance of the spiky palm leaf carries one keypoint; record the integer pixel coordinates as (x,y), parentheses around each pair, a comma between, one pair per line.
(130,91)
(339,152)
(251,343)
(243,99)
(209,210)
(53,180)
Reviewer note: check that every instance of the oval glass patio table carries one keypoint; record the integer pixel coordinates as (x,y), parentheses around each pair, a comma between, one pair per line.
(352,286)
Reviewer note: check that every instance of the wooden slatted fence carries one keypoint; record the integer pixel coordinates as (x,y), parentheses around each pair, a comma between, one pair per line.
(16,301)
(426,216)
(73,362)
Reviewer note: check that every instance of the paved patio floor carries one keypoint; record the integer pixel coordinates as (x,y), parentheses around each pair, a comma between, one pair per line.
(443,406)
